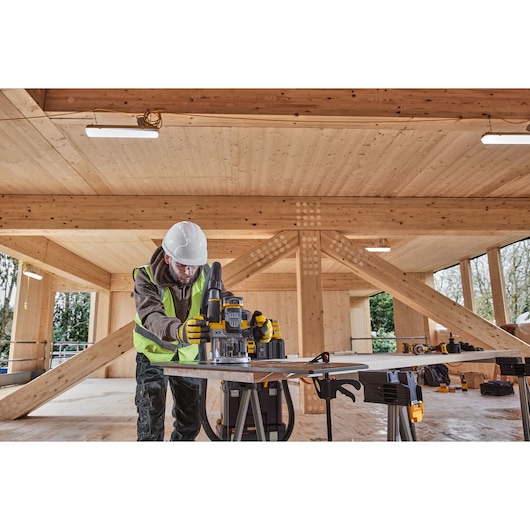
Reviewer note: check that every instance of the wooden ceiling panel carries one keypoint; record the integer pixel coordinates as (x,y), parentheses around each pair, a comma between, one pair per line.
(301,162)
(29,165)
(181,161)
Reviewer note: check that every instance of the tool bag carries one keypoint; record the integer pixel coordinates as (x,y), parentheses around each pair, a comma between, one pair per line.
(496,388)
(435,374)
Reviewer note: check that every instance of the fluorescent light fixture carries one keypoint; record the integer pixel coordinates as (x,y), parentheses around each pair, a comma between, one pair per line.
(382,246)
(28,271)
(506,138)
(126,131)
(496,138)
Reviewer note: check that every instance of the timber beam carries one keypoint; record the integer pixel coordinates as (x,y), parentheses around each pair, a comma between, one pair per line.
(260,258)
(258,282)
(357,217)
(53,258)
(390,103)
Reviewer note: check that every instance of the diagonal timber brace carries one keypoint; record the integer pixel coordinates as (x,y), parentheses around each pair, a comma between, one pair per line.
(49,385)
(417,295)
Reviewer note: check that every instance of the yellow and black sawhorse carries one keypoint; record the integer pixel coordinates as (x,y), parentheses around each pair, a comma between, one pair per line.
(516,366)
(399,391)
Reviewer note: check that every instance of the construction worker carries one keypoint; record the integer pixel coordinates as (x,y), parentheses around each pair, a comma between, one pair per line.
(168,293)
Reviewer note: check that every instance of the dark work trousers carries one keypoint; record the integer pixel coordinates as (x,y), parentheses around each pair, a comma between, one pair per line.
(150,400)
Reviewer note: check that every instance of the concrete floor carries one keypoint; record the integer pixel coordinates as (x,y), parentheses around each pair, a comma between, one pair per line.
(103,410)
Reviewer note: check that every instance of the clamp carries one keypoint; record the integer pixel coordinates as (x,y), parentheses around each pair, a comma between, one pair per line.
(328,387)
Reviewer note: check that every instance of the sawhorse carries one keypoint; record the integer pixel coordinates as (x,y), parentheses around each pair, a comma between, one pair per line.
(515,366)
(398,390)
(249,394)
(399,426)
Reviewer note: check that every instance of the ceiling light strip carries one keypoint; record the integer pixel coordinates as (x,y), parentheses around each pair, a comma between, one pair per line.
(506,138)
(107,131)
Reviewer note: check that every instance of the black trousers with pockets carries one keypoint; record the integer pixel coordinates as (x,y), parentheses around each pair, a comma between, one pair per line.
(150,400)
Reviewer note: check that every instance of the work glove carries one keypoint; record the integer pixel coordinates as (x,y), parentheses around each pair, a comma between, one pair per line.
(261,327)
(194,331)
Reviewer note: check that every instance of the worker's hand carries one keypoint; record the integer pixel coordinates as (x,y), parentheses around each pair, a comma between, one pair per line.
(194,331)
(261,327)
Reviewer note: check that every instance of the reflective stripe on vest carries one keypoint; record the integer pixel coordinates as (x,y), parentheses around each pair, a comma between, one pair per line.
(155,349)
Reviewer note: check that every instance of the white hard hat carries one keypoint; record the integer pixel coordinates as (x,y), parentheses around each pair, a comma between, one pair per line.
(185,243)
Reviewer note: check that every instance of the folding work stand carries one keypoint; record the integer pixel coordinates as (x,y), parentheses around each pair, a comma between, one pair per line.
(398,390)
(515,366)
(249,393)
(250,374)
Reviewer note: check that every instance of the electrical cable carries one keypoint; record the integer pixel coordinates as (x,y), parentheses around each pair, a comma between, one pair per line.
(148,120)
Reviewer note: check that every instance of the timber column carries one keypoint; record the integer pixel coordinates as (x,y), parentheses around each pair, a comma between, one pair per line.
(310,312)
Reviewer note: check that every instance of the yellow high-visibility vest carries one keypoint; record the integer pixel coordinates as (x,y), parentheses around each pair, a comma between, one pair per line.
(155,349)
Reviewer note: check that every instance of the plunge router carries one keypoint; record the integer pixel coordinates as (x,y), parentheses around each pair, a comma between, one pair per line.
(231,336)
(234,338)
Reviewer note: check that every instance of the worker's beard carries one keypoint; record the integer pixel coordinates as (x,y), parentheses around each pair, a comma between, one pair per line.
(181,279)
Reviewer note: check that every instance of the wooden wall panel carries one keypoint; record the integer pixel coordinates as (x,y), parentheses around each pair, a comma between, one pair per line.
(32,324)
(410,326)
(280,306)
(122,311)
(360,325)
(337,321)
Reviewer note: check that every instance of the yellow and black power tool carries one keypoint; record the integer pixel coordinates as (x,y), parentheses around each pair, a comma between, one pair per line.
(231,337)
(420,349)
(233,333)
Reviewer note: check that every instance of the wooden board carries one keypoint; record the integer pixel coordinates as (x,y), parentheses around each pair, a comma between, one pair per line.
(258,371)
(391,361)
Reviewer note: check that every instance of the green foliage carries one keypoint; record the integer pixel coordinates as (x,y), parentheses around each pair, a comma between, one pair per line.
(8,283)
(384,341)
(382,313)
(71,311)
(382,322)
(71,317)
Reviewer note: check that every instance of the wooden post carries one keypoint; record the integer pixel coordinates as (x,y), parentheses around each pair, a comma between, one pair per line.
(100,323)
(500,309)
(467,284)
(310,312)
(498,295)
